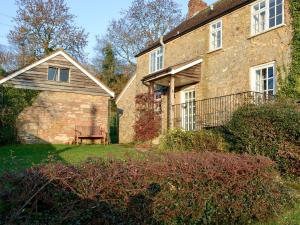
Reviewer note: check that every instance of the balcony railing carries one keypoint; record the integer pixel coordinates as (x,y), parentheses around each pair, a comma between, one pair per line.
(214,112)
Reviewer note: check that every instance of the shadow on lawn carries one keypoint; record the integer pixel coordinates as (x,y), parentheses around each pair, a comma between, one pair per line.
(33,202)
(14,158)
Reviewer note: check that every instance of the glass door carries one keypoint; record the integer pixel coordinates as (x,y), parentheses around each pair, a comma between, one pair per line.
(189,110)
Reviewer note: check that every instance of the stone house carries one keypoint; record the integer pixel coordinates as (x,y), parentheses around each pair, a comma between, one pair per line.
(221,56)
(68,96)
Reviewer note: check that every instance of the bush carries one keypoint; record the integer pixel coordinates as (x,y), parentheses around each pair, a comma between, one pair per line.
(148,123)
(180,188)
(12,102)
(203,140)
(268,130)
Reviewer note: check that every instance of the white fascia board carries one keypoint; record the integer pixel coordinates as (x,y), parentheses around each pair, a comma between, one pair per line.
(174,71)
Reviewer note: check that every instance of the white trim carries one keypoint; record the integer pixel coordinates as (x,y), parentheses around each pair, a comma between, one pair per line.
(267,19)
(194,63)
(262,66)
(111,93)
(125,88)
(155,63)
(214,48)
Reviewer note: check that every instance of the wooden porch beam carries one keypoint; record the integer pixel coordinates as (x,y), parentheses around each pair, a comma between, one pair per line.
(171,101)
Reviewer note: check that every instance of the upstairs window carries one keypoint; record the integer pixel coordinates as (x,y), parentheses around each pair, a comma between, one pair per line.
(266,14)
(58,74)
(216,35)
(156,60)
(264,79)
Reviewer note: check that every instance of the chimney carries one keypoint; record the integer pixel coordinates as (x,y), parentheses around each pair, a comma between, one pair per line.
(196,6)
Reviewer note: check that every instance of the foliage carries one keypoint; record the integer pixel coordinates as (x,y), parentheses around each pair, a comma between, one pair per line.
(8,58)
(142,24)
(2,72)
(109,68)
(43,26)
(181,188)
(291,85)
(13,102)
(148,122)
(181,140)
(271,130)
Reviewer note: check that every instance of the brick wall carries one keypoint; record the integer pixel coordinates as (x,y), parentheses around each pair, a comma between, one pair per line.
(53,116)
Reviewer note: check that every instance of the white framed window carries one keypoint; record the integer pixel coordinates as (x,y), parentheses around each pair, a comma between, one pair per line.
(216,35)
(59,74)
(264,79)
(266,14)
(156,60)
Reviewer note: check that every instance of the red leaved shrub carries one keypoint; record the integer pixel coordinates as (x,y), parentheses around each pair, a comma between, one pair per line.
(148,122)
(179,188)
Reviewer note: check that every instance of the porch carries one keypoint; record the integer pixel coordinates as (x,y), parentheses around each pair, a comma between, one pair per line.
(214,112)
(195,114)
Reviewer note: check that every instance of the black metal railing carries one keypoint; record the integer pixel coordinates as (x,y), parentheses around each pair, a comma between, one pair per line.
(214,112)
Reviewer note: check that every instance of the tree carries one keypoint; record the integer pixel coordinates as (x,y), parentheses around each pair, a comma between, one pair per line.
(142,24)
(43,26)
(109,69)
(109,64)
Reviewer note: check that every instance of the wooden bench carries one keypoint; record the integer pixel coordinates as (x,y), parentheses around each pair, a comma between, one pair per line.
(90,133)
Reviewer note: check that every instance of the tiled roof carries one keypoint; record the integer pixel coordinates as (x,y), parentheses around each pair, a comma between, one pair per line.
(220,8)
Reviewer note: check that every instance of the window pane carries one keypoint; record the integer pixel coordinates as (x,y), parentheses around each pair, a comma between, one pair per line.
(272,22)
(264,73)
(279,9)
(270,83)
(270,72)
(64,75)
(279,20)
(52,73)
(272,12)
(265,85)
(272,3)
(256,7)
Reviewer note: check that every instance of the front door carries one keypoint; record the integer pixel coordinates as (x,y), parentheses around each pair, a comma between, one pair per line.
(189,110)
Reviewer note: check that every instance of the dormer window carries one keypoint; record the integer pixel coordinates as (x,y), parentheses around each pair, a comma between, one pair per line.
(58,74)
(156,60)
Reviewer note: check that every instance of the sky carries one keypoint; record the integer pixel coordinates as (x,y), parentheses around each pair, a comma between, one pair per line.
(93,15)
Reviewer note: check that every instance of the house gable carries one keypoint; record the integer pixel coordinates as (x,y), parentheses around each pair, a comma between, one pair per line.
(35,76)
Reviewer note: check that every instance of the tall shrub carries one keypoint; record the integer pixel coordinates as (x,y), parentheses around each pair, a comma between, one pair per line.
(148,122)
(12,102)
(291,85)
(271,130)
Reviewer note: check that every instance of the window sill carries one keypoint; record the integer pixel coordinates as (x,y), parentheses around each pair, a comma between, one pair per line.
(266,31)
(215,50)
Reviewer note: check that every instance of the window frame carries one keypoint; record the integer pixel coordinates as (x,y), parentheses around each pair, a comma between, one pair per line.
(267,17)
(214,48)
(59,68)
(155,51)
(254,80)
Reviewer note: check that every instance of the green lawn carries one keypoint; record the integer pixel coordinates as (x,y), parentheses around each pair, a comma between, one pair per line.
(18,157)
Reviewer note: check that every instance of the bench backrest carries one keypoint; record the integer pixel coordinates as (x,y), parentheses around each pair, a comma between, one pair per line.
(87,131)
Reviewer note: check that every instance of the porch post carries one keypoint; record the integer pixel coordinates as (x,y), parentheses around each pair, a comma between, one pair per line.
(171,102)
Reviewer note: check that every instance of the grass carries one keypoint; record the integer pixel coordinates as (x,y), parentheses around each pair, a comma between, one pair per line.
(19,157)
